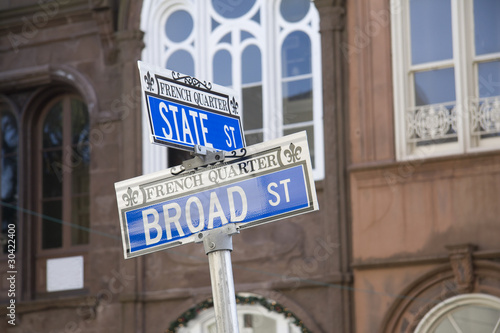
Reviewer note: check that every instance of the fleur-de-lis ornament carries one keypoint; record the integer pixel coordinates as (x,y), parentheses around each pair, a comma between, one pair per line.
(149,81)
(130,197)
(234,105)
(293,153)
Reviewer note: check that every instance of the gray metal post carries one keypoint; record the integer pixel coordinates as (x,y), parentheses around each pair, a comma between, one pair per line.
(218,245)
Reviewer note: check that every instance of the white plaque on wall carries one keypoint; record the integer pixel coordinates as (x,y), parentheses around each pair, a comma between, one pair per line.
(65,273)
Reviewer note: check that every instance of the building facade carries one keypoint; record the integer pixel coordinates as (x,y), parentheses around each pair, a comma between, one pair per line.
(72,126)
(400,101)
(424,164)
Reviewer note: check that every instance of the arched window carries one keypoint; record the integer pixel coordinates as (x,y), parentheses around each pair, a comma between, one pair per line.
(465,313)
(63,157)
(269,51)
(9,143)
(255,314)
(251,319)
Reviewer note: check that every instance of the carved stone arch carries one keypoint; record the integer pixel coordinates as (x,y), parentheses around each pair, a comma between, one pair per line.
(10,104)
(40,83)
(434,287)
(129,15)
(72,78)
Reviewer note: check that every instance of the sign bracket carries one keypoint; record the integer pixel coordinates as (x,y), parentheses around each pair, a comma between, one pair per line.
(217,239)
(203,156)
(218,244)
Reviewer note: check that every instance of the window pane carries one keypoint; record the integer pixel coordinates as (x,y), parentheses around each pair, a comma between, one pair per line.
(226,39)
(294,10)
(79,122)
(297,101)
(430,25)
(52,226)
(231,8)
(52,173)
(445,327)
(254,138)
(296,54)
(476,318)
(80,212)
(8,183)
(245,35)
(435,86)
(52,127)
(251,65)
(181,61)
(252,108)
(487,26)
(489,78)
(80,176)
(310,139)
(81,148)
(9,133)
(258,323)
(222,65)
(179,26)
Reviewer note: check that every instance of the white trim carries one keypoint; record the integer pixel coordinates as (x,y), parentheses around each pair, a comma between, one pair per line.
(443,308)
(398,78)
(428,66)
(465,65)
(206,318)
(460,59)
(203,44)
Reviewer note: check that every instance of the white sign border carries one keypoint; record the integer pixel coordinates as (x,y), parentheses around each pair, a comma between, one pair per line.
(130,188)
(149,87)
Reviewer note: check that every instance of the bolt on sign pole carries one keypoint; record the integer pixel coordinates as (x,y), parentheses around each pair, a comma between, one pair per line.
(218,246)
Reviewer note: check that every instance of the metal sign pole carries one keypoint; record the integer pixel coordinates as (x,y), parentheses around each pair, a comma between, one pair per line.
(218,245)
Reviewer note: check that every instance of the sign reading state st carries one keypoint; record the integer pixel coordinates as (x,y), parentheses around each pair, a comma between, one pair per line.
(253,185)
(184,111)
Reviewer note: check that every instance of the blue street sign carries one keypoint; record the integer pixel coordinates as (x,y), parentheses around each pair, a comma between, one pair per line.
(252,186)
(184,111)
(177,125)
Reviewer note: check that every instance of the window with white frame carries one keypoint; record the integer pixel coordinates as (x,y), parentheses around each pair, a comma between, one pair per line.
(251,319)
(463,313)
(446,75)
(269,51)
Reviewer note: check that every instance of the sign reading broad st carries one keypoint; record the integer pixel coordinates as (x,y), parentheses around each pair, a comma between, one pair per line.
(184,111)
(251,186)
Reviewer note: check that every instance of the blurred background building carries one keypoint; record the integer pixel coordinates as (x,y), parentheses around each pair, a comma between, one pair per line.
(400,100)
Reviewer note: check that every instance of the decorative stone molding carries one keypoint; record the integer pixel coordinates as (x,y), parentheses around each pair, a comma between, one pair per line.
(461,263)
(332,18)
(98,4)
(130,44)
(36,76)
(103,16)
(465,273)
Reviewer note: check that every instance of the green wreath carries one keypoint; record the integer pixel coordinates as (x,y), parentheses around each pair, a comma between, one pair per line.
(193,312)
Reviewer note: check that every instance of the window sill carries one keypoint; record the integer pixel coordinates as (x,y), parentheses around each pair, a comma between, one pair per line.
(385,164)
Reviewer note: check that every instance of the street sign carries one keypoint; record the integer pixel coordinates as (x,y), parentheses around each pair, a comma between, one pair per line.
(251,186)
(184,111)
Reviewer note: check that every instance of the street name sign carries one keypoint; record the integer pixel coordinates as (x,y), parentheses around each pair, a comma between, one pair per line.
(184,111)
(251,186)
